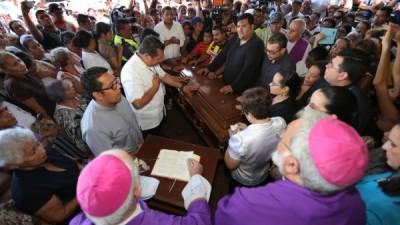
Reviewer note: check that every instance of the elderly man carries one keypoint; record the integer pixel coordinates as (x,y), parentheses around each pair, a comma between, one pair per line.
(241,58)
(143,78)
(116,170)
(297,46)
(108,121)
(319,169)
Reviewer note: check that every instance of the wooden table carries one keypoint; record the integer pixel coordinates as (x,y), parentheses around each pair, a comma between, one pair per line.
(172,202)
(210,109)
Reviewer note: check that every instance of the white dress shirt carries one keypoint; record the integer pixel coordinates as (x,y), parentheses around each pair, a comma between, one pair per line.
(137,79)
(171,50)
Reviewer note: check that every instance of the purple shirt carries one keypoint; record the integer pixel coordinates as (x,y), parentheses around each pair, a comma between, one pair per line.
(284,202)
(198,214)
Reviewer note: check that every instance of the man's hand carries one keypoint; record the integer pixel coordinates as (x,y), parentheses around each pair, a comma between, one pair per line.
(211,75)
(241,126)
(192,63)
(24,8)
(184,79)
(203,71)
(156,81)
(173,40)
(226,89)
(194,167)
(189,90)
(177,68)
(184,60)
(396,28)
(320,37)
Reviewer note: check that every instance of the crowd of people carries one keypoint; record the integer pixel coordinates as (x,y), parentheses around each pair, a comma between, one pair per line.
(318,84)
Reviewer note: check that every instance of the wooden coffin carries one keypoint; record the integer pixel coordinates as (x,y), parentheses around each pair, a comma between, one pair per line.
(214,109)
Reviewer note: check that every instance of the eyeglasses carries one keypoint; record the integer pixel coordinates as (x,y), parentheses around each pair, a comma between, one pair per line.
(273,52)
(113,86)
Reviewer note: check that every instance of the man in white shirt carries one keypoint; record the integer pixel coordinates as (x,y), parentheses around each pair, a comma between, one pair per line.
(295,13)
(142,79)
(171,34)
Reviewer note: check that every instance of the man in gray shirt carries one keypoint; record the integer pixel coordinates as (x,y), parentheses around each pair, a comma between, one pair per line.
(108,122)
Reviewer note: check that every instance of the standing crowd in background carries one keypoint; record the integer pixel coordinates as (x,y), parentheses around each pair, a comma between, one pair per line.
(81,86)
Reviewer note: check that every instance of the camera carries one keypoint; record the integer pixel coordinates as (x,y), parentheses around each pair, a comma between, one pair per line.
(395,17)
(118,14)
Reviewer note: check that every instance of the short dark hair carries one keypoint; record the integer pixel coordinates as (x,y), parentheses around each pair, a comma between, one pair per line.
(146,32)
(81,18)
(120,24)
(316,14)
(257,101)
(40,11)
(355,63)
(207,30)
(166,8)
(67,37)
(290,80)
(388,10)
(11,23)
(246,16)
(82,39)
(217,27)
(150,44)
(25,57)
(101,28)
(366,24)
(89,80)
(55,90)
(341,102)
(279,39)
(321,65)
(331,21)
(318,53)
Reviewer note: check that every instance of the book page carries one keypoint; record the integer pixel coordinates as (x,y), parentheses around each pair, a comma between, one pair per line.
(163,166)
(173,164)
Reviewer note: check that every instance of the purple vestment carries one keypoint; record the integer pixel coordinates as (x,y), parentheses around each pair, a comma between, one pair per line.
(298,50)
(286,203)
(198,214)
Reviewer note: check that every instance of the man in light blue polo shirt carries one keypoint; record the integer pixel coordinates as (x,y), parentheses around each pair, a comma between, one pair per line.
(108,122)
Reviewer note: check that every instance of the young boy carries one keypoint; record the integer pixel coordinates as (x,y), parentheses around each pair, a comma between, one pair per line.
(199,50)
(248,155)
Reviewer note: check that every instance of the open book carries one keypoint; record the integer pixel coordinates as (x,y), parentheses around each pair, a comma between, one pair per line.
(173,164)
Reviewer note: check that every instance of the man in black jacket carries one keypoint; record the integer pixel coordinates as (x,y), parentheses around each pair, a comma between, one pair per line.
(346,70)
(242,58)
